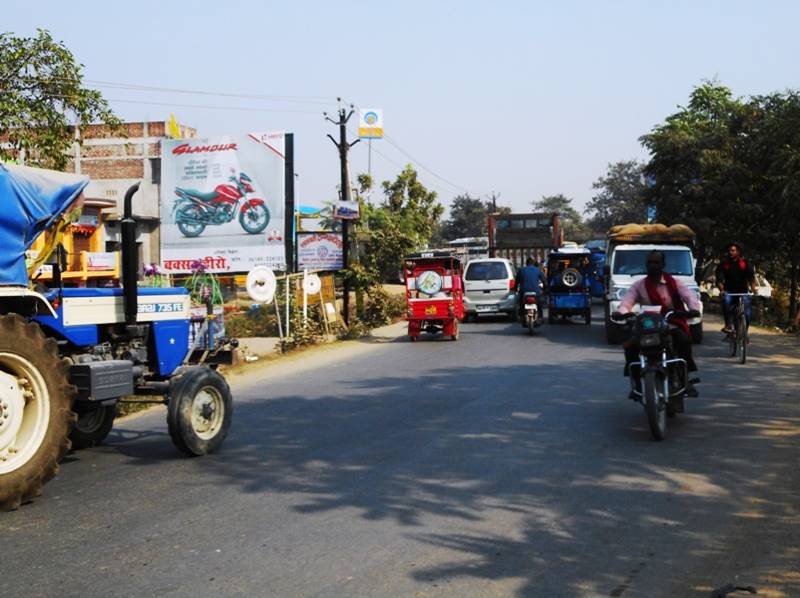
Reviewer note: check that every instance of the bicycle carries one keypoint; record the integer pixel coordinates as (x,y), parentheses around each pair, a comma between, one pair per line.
(738,338)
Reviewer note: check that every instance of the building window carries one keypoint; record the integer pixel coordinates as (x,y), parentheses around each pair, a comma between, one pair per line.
(155,171)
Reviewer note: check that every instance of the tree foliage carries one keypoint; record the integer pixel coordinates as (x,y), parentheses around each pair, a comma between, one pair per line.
(619,198)
(42,99)
(468,218)
(571,222)
(699,173)
(730,168)
(403,222)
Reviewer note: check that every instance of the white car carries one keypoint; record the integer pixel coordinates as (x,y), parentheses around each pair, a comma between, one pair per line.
(710,292)
(489,288)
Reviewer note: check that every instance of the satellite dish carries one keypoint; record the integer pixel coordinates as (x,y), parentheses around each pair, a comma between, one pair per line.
(261,284)
(312,284)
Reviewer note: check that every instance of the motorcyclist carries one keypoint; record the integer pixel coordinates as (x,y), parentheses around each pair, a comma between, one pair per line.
(659,288)
(530,279)
(735,275)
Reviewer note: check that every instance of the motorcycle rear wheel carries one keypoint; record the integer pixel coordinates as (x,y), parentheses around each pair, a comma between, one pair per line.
(656,413)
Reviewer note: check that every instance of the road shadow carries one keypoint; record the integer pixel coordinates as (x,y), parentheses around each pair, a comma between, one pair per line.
(563,462)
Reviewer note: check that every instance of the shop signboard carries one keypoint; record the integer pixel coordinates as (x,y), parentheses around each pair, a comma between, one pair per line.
(320,251)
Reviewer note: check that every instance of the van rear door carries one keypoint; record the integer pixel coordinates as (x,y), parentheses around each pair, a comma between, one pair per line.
(487,281)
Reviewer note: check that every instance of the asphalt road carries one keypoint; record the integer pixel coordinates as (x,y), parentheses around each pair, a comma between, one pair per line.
(499,465)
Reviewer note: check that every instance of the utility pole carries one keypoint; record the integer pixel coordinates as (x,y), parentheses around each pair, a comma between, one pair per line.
(494,197)
(343,148)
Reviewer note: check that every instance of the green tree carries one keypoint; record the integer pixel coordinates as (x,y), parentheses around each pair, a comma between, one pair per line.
(468,218)
(571,221)
(619,197)
(403,222)
(774,158)
(699,169)
(42,100)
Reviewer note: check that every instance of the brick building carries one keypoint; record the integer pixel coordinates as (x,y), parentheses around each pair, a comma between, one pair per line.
(114,163)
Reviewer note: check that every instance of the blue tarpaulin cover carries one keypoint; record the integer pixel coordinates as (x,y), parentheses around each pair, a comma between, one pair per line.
(31,199)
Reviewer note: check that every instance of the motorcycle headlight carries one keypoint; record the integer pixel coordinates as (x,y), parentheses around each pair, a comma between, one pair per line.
(620,293)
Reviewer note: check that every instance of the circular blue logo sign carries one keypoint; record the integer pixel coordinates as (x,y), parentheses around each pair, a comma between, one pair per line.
(370,118)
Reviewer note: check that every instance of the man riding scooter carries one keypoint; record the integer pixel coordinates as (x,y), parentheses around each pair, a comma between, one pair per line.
(530,279)
(658,288)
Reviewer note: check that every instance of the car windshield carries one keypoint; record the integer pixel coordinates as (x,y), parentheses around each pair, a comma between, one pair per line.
(634,261)
(486,271)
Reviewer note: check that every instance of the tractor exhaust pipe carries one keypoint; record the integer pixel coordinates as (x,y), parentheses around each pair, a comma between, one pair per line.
(130,258)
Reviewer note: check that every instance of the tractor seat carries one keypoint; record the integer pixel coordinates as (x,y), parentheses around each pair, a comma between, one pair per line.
(198,194)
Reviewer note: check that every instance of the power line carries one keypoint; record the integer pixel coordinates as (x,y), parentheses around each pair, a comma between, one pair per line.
(423,166)
(174,105)
(320,100)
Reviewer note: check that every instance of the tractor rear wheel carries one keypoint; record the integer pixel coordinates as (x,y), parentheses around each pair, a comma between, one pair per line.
(200,410)
(35,410)
(93,426)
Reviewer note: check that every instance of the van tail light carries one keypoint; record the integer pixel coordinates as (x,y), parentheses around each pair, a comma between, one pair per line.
(511,283)
(530,299)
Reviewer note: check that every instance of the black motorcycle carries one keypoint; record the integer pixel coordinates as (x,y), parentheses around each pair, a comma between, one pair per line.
(663,376)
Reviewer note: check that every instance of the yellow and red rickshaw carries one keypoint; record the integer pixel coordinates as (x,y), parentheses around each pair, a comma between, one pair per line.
(434,293)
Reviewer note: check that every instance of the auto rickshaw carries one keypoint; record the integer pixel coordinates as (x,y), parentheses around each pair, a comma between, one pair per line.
(569,283)
(434,293)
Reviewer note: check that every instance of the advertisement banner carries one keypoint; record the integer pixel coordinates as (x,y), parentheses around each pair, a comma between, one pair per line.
(320,251)
(346,210)
(370,123)
(222,203)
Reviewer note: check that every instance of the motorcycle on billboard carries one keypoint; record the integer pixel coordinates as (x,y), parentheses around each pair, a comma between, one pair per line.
(194,210)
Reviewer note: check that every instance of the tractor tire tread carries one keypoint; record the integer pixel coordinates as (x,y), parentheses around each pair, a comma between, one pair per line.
(27,339)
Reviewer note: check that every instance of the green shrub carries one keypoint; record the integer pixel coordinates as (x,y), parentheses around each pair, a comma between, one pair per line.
(257,321)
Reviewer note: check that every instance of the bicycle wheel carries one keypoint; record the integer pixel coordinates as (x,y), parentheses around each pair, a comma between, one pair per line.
(733,340)
(742,339)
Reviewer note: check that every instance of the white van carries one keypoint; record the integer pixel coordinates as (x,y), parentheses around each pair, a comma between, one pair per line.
(627,263)
(489,288)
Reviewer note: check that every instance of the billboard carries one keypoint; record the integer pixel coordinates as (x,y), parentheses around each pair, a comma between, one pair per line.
(222,203)
(320,251)
(370,123)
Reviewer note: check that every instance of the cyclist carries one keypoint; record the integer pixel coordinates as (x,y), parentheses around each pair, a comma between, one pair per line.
(735,275)
(659,288)
(530,279)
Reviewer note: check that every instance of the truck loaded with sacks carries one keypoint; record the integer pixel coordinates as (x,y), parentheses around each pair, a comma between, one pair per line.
(68,355)
(626,255)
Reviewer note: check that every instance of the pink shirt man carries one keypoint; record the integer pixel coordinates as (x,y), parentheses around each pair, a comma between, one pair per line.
(638,294)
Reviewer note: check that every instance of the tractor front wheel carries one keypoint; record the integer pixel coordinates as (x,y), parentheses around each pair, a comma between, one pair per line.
(200,410)
(35,410)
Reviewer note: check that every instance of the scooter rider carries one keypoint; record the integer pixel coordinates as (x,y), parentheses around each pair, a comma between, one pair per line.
(658,288)
(530,279)
(735,275)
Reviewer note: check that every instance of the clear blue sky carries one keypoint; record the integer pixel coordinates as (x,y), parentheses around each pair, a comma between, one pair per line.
(524,98)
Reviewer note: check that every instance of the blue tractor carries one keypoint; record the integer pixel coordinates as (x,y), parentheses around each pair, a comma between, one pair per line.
(67,355)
